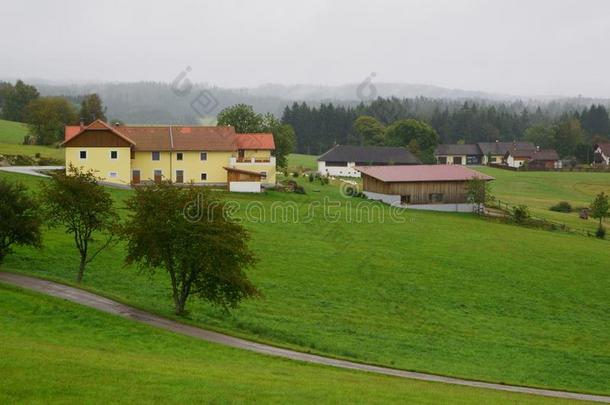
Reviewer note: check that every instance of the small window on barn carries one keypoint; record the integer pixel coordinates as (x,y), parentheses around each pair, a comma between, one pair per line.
(179,156)
(114,154)
(405,199)
(156,156)
(203,156)
(263,175)
(442,160)
(435,197)
(204,176)
(457,160)
(83,154)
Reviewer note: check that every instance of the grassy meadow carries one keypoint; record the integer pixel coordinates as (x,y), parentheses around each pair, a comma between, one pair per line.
(11,142)
(54,351)
(436,292)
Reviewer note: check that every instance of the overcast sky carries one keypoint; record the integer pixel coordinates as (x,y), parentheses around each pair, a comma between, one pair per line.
(516,47)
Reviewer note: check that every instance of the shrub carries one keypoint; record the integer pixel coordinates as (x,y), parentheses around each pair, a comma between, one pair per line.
(311,178)
(601,232)
(562,206)
(520,214)
(295,174)
(299,189)
(324,180)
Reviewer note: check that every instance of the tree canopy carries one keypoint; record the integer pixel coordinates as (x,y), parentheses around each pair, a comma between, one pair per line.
(15,100)
(190,236)
(242,117)
(403,132)
(91,109)
(47,117)
(19,218)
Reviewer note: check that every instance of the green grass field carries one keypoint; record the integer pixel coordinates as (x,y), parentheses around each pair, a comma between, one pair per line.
(541,190)
(11,142)
(442,293)
(306,162)
(12,132)
(54,351)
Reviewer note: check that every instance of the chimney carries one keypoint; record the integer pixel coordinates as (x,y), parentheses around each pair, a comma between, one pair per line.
(82,125)
(117,124)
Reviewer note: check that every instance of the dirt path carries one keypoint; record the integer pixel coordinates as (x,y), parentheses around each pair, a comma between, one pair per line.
(106,305)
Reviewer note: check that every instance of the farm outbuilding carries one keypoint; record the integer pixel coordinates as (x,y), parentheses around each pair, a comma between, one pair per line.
(429,187)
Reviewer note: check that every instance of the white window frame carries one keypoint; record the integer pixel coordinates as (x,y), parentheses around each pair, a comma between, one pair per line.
(110,175)
(117,155)
(80,154)
(201,175)
(201,155)
(152,156)
(181,155)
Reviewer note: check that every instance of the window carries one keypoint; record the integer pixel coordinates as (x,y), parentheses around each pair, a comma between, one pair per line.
(442,160)
(204,176)
(203,156)
(114,154)
(113,175)
(263,175)
(158,175)
(156,155)
(179,156)
(435,197)
(336,164)
(83,154)
(457,160)
(405,199)
(179,176)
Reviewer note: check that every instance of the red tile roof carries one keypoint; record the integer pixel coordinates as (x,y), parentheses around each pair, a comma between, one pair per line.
(180,138)
(422,173)
(255,141)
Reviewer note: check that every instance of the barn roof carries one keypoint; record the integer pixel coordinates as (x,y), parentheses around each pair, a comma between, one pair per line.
(450,149)
(500,148)
(422,173)
(369,155)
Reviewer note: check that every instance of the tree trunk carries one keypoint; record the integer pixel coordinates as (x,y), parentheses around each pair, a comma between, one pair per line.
(81,269)
(179,303)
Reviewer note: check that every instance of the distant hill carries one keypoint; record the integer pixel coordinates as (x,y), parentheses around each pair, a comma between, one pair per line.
(159,103)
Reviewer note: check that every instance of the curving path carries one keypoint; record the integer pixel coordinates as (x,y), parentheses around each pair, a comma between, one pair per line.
(106,305)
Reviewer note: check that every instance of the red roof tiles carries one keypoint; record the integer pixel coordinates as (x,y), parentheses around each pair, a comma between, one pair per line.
(421,173)
(178,137)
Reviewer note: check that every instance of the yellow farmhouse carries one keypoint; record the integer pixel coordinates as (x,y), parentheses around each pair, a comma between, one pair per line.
(123,154)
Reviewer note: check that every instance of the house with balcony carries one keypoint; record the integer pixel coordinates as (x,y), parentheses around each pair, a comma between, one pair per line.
(206,155)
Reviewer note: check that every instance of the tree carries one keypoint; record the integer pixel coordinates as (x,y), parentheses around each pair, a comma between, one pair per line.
(600,209)
(84,208)
(19,218)
(283,137)
(540,135)
(242,117)
(47,117)
(402,132)
(190,236)
(16,101)
(91,109)
(568,134)
(478,192)
(369,130)
(5,89)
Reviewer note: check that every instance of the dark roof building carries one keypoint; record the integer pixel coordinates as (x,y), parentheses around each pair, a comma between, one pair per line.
(450,149)
(370,155)
(500,148)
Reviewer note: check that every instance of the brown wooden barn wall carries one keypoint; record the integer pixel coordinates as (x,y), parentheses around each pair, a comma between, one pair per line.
(97,139)
(453,191)
(237,176)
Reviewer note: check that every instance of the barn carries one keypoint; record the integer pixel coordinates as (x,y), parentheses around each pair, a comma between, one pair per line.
(427,187)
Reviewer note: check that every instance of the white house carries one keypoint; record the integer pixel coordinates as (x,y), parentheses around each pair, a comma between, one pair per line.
(602,153)
(341,160)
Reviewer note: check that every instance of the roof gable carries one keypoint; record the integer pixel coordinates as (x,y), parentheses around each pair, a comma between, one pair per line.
(255,141)
(97,125)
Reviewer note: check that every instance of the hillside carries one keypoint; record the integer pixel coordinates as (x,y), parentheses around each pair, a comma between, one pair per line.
(54,351)
(12,132)
(442,293)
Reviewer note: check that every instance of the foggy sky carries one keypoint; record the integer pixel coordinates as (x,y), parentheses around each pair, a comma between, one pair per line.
(514,47)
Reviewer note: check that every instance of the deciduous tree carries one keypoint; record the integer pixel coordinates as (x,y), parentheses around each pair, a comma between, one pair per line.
(242,117)
(47,117)
(600,208)
(84,208)
(204,252)
(92,108)
(16,101)
(19,218)
(369,130)
(402,132)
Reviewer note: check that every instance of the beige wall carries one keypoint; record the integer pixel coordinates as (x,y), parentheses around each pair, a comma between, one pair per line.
(98,159)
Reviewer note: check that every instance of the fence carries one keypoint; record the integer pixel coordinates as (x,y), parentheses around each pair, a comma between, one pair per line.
(507,208)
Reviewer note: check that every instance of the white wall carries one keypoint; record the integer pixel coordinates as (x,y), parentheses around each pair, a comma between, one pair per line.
(338,171)
(395,200)
(245,186)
